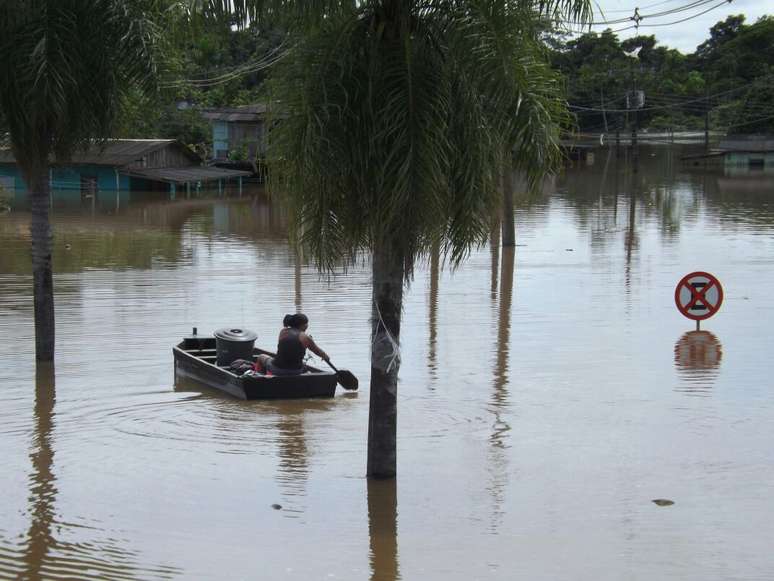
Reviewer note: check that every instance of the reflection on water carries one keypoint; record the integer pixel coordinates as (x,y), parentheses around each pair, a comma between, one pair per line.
(293,469)
(435,270)
(527,403)
(383,529)
(498,465)
(500,392)
(494,250)
(631,239)
(297,284)
(697,360)
(42,480)
(47,554)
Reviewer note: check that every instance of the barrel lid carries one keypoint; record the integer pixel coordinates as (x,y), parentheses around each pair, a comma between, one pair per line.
(235,334)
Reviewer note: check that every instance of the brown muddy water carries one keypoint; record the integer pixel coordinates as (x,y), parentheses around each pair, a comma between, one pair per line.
(547,398)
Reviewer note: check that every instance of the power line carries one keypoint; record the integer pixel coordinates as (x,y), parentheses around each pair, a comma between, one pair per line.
(245,69)
(638,18)
(710,9)
(629,10)
(751,121)
(672,106)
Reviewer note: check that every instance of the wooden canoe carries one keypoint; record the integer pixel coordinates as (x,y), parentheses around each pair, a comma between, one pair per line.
(195,359)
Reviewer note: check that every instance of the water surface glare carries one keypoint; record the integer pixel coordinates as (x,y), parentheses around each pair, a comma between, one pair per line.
(548,395)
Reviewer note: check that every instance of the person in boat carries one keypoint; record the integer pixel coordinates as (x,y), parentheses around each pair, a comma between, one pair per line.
(292,344)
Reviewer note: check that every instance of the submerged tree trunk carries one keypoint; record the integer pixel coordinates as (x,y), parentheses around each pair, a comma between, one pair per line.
(509,226)
(388,276)
(42,275)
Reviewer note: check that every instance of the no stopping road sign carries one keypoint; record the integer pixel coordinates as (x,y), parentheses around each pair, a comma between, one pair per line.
(698,295)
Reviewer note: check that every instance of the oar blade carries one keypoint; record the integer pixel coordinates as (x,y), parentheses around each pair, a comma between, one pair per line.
(347,379)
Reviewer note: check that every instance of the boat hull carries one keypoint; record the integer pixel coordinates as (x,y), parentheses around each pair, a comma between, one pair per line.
(195,359)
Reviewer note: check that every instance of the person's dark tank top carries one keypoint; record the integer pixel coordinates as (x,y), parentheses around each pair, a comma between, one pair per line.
(290,350)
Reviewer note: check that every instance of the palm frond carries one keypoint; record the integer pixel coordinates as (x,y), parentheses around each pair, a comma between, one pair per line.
(295,14)
(66,65)
(394,127)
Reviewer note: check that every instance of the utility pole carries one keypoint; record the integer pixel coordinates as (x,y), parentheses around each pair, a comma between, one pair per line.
(706,121)
(635,149)
(633,103)
(635,99)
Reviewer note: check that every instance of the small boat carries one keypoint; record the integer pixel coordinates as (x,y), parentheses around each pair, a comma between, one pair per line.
(196,358)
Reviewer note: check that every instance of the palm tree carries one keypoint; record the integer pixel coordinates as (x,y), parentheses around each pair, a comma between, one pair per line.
(395,116)
(65,66)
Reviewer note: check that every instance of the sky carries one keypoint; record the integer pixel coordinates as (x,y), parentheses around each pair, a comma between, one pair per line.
(685,36)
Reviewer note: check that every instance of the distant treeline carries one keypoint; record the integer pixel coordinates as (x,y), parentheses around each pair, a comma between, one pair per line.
(729,79)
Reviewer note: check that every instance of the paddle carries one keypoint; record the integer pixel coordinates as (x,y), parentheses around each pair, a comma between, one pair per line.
(346,379)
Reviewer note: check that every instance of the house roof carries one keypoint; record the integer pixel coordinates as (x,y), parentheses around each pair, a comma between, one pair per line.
(747,143)
(246,113)
(182,175)
(115,152)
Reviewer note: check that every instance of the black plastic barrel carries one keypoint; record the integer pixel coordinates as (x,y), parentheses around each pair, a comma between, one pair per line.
(233,343)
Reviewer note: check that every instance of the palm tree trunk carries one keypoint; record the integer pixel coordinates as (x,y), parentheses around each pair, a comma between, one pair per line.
(388,276)
(509,226)
(42,275)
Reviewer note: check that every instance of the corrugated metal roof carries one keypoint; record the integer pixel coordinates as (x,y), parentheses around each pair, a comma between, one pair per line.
(114,152)
(751,143)
(181,175)
(247,113)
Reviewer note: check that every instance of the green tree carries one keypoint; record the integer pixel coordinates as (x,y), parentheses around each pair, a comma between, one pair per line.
(65,66)
(721,33)
(394,119)
(738,61)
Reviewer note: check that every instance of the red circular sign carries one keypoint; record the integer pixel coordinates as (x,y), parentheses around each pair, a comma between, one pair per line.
(698,295)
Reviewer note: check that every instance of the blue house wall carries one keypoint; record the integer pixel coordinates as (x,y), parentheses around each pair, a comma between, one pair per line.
(10,171)
(220,141)
(69,177)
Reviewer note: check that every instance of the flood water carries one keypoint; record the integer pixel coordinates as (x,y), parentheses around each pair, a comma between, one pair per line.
(546,396)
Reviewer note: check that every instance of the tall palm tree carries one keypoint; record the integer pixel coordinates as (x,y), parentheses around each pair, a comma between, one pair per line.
(395,119)
(64,68)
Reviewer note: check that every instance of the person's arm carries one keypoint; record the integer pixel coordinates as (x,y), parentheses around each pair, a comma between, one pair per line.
(308,342)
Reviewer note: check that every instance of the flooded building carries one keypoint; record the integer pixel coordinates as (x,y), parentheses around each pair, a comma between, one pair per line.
(738,155)
(238,132)
(748,152)
(122,165)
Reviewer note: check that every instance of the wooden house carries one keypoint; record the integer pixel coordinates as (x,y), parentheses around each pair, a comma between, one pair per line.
(123,165)
(738,155)
(238,132)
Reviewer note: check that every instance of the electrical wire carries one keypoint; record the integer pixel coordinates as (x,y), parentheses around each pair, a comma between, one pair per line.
(672,106)
(637,17)
(647,7)
(267,61)
(710,9)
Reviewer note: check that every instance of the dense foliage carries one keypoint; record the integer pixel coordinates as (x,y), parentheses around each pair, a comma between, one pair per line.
(206,63)
(730,77)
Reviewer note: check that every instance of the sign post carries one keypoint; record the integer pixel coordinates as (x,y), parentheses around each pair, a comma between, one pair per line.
(698,296)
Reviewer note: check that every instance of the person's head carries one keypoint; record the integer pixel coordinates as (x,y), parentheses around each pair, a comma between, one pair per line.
(298,321)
